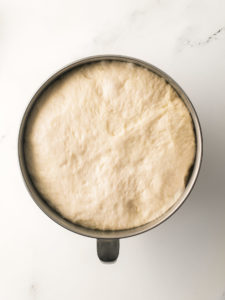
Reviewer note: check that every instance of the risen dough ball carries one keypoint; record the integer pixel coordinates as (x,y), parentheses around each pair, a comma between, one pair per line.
(109,145)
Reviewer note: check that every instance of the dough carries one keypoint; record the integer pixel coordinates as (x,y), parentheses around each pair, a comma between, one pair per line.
(109,145)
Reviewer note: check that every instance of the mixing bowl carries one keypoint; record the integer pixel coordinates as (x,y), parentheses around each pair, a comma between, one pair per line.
(108,241)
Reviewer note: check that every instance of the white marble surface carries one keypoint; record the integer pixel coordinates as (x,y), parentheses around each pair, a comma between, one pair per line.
(184,258)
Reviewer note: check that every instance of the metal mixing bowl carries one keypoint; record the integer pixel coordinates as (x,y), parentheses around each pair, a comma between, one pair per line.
(108,241)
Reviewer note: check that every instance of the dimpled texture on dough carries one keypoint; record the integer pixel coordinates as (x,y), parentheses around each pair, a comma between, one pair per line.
(109,145)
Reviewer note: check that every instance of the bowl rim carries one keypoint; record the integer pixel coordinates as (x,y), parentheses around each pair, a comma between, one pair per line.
(107,234)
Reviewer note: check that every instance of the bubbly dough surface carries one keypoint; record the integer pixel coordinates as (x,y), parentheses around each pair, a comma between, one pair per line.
(109,145)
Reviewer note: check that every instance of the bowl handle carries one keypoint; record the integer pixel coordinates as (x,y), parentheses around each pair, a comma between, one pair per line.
(108,249)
